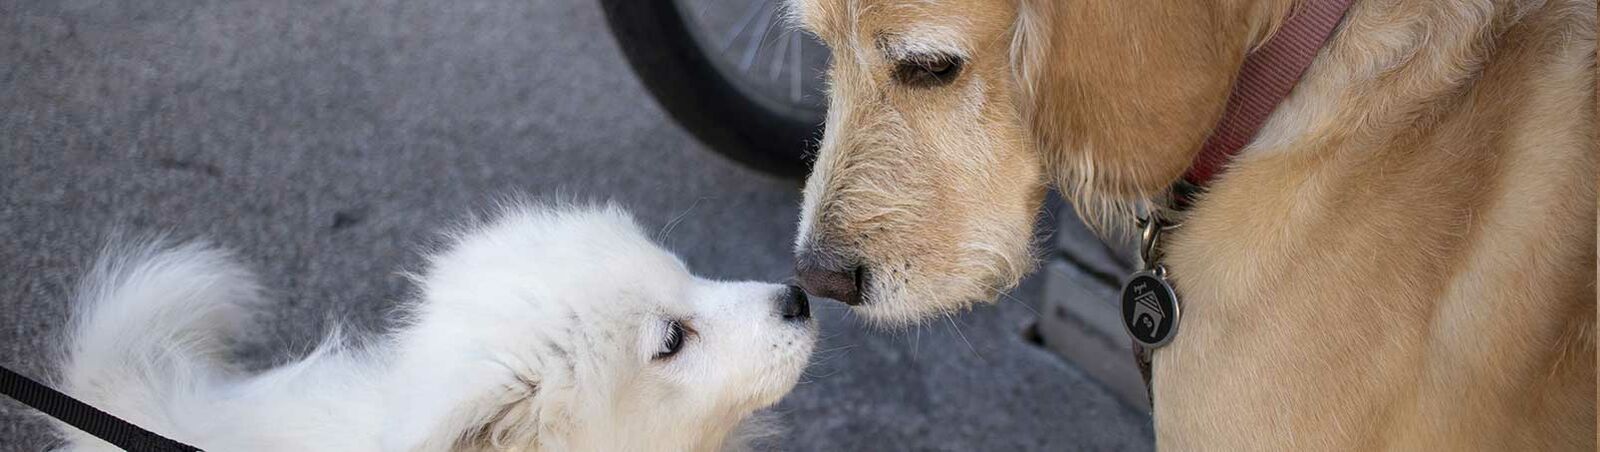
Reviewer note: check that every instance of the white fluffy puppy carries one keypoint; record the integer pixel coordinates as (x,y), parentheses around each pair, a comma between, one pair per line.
(548,328)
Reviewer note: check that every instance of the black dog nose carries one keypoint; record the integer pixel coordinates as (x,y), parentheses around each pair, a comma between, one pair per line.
(794,305)
(843,284)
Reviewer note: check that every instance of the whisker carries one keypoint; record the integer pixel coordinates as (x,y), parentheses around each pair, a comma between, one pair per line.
(1008,296)
(964,338)
(666,230)
(917,343)
(842,347)
(813,378)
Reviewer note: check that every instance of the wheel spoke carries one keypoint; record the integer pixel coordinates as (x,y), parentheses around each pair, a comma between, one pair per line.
(753,49)
(794,74)
(701,14)
(744,23)
(783,54)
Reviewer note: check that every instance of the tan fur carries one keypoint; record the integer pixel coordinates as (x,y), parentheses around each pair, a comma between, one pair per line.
(1403,259)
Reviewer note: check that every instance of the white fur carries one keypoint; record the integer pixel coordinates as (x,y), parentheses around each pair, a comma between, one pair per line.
(926,39)
(535,331)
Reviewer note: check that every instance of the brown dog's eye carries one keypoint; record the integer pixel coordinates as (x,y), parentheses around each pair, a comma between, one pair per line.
(927,70)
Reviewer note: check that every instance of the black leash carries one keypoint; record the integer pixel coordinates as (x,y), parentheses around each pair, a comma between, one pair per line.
(87,418)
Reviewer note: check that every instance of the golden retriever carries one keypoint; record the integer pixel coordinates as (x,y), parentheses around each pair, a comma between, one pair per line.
(1403,258)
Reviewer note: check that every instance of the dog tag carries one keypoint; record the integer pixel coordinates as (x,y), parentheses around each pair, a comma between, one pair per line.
(1150,308)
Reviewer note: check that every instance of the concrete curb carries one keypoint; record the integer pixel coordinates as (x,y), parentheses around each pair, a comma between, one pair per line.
(1078,316)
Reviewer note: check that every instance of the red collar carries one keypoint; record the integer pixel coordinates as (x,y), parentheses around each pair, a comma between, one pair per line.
(1268,75)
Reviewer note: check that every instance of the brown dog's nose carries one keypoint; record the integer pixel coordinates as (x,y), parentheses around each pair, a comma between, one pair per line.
(843,284)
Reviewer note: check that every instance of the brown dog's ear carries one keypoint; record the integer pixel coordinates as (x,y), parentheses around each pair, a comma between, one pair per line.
(1121,94)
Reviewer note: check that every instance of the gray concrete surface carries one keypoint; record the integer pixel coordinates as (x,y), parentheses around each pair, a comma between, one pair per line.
(1081,321)
(327,140)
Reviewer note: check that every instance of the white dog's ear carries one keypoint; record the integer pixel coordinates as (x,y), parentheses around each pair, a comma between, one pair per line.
(503,422)
(506,417)
(512,425)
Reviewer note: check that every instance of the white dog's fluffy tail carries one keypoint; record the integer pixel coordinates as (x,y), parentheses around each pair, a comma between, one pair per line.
(150,319)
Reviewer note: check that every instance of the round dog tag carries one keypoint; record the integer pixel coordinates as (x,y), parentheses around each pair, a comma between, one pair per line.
(1149,309)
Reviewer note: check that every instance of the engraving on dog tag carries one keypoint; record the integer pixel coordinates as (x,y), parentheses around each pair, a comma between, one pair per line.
(1150,309)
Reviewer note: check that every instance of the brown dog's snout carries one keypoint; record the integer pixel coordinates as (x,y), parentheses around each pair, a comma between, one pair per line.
(839,282)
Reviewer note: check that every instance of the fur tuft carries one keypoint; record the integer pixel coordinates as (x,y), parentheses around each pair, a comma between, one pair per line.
(151,319)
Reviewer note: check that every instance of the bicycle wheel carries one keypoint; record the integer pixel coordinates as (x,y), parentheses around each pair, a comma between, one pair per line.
(731,72)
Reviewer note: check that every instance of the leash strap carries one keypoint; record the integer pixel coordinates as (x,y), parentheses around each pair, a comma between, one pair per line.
(84,417)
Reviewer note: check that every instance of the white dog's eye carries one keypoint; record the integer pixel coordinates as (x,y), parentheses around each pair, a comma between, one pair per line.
(676,335)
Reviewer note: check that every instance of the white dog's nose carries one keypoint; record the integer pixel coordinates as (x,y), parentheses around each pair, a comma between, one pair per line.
(793,304)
